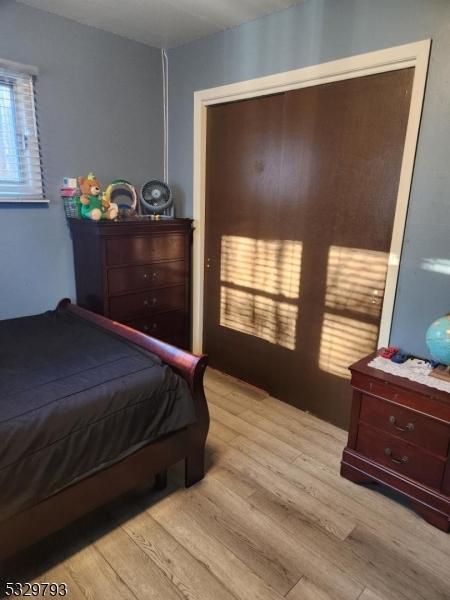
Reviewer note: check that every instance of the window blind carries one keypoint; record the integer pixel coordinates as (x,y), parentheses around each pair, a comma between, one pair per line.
(20,159)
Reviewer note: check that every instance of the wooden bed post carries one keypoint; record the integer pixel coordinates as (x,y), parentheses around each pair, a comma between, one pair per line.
(197,433)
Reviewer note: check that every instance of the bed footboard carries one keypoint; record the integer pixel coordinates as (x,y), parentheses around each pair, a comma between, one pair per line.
(187,365)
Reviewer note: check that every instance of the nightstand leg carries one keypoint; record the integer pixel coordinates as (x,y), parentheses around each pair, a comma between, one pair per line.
(354,475)
(432,516)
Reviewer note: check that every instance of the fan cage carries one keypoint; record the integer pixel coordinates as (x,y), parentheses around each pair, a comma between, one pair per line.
(160,208)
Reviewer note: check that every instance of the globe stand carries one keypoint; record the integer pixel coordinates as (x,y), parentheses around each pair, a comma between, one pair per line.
(441,372)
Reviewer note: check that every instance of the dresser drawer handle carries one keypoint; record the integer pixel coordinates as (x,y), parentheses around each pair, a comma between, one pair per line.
(393,421)
(397,461)
(153,302)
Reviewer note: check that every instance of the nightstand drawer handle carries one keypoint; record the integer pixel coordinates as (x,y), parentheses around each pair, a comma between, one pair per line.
(153,302)
(393,421)
(397,461)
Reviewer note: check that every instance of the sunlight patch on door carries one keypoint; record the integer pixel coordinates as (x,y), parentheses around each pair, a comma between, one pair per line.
(356,280)
(343,342)
(259,316)
(270,266)
(260,282)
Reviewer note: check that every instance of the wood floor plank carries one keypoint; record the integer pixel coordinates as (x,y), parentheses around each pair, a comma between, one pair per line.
(307,590)
(369,595)
(231,386)
(301,481)
(308,506)
(186,574)
(237,481)
(142,574)
(330,457)
(303,430)
(291,549)
(266,440)
(95,576)
(248,536)
(227,402)
(224,433)
(305,418)
(232,572)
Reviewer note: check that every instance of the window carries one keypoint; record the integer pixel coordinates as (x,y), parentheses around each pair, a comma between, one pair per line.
(20,160)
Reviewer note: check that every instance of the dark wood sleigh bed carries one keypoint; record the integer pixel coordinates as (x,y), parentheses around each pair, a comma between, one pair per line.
(152,460)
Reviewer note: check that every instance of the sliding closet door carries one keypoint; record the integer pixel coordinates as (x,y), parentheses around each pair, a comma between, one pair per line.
(301,191)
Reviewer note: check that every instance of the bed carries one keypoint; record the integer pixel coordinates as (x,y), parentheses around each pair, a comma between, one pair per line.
(89,409)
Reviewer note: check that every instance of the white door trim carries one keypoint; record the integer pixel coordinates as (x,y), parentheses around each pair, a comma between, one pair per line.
(399,57)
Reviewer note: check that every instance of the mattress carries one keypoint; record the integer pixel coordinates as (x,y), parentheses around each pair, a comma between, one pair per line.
(73,399)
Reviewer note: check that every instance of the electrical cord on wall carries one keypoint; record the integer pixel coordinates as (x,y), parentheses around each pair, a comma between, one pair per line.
(165,65)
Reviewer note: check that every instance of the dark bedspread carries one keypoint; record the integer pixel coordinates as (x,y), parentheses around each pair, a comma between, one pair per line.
(74,398)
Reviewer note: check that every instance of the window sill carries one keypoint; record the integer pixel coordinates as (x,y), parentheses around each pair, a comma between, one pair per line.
(22,200)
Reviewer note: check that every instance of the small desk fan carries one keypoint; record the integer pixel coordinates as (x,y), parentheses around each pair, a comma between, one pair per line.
(156,197)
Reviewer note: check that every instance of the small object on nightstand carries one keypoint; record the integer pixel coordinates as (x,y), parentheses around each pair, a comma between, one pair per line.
(388,352)
(438,342)
(400,357)
(441,372)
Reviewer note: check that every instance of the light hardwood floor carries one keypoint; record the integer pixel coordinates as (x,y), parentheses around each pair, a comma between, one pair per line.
(272,519)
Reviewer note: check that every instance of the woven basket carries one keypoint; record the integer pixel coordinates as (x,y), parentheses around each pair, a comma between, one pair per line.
(72,207)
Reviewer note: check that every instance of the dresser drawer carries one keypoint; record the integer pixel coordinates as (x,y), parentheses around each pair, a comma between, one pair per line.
(400,456)
(144,249)
(144,277)
(167,326)
(146,303)
(406,424)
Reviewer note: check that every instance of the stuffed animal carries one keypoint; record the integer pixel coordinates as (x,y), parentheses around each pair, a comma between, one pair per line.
(93,206)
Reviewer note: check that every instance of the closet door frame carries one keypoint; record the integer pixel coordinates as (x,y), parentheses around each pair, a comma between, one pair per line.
(390,59)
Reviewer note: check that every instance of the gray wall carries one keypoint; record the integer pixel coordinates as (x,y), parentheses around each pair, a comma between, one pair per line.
(100,108)
(318,31)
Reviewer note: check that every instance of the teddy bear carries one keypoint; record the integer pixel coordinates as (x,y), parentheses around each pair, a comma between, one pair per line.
(93,205)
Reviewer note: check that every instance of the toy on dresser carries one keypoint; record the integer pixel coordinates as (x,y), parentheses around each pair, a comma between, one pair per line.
(94,205)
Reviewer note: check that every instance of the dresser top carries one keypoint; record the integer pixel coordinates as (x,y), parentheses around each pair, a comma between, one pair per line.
(362,367)
(129,225)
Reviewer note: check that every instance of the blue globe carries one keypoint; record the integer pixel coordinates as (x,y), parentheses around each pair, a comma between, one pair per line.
(438,339)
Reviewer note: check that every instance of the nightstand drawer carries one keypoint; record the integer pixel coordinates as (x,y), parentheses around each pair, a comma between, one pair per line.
(406,424)
(129,279)
(400,456)
(145,303)
(144,249)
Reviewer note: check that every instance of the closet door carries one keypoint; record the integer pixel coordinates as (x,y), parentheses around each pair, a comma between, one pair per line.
(301,192)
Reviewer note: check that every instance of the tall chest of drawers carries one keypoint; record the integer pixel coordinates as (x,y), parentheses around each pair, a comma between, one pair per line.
(400,436)
(137,272)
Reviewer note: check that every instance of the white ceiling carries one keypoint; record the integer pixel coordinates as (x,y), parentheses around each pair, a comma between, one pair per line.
(161,23)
